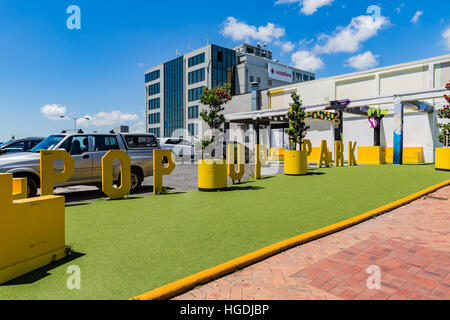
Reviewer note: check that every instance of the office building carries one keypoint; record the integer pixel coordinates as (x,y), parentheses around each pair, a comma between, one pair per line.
(173,89)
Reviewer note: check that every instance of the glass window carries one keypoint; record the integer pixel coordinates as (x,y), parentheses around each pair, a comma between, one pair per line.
(193,129)
(152,76)
(141,141)
(193,61)
(105,143)
(48,143)
(155,131)
(252,79)
(15,147)
(193,112)
(76,145)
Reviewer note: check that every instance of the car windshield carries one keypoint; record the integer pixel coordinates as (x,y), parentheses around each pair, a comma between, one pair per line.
(4,143)
(48,144)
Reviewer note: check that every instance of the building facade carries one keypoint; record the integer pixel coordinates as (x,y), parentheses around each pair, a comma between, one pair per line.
(173,89)
(414,83)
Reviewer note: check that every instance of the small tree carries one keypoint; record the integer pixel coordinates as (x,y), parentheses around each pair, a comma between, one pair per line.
(297,126)
(214,99)
(444,113)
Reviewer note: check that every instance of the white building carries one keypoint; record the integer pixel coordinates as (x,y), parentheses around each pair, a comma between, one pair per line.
(422,81)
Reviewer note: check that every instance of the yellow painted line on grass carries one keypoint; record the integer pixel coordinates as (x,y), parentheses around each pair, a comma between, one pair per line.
(180,286)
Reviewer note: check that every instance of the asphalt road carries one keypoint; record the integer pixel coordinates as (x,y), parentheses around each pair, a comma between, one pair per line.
(183,178)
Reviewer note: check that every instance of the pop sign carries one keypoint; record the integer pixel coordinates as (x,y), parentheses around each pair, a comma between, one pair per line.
(281,73)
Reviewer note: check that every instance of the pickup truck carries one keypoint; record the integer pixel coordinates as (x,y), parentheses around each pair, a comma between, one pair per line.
(87,150)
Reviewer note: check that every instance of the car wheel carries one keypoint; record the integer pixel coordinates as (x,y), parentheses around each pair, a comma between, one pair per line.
(136,180)
(31,188)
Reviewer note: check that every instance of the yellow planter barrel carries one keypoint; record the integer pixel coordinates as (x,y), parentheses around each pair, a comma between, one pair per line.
(212,175)
(295,163)
(443,159)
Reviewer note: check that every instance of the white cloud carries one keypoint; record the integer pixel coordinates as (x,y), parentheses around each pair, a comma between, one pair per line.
(416,17)
(363,61)
(112,118)
(138,127)
(240,31)
(286,46)
(53,111)
(309,7)
(446,37)
(349,38)
(306,60)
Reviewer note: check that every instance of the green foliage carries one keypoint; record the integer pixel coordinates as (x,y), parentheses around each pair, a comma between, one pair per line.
(297,125)
(444,113)
(214,99)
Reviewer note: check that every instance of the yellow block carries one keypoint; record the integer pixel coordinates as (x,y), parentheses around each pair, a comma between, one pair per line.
(260,158)
(236,175)
(277,154)
(351,153)
(19,188)
(212,175)
(295,163)
(338,153)
(371,155)
(410,155)
(108,177)
(32,232)
(159,170)
(443,159)
(48,175)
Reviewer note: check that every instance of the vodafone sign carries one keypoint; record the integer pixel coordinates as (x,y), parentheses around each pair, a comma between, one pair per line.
(281,73)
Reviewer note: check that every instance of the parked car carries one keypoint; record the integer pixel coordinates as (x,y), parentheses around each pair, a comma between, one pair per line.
(180,147)
(87,150)
(19,145)
(225,144)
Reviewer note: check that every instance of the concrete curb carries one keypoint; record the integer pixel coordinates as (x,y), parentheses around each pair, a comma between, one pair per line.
(180,286)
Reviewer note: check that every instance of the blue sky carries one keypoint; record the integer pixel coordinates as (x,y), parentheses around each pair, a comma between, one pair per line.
(99,69)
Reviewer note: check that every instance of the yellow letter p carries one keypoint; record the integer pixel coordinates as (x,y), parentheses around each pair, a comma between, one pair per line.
(159,170)
(48,175)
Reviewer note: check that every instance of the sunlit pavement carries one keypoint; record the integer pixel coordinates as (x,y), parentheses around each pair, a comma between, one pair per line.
(409,245)
(183,178)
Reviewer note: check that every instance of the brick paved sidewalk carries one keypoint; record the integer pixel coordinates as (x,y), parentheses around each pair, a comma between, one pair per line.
(410,245)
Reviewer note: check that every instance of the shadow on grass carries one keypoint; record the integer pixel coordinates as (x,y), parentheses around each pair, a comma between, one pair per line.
(78,197)
(77,204)
(43,272)
(239,188)
(171,193)
(125,199)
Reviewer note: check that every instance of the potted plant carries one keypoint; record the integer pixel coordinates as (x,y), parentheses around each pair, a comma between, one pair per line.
(443,154)
(212,173)
(295,160)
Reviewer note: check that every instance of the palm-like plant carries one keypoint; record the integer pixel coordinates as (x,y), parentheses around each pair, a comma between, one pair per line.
(444,113)
(214,99)
(297,125)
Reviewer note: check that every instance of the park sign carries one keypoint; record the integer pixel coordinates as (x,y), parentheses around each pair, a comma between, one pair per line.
(279,72)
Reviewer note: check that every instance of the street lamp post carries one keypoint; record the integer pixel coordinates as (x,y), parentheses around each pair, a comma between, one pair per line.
(75,120)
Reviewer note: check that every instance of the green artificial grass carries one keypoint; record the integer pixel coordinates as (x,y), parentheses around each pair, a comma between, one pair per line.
(125,248)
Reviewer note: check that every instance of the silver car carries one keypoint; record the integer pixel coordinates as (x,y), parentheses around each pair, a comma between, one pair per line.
(87,150)
(181,148)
